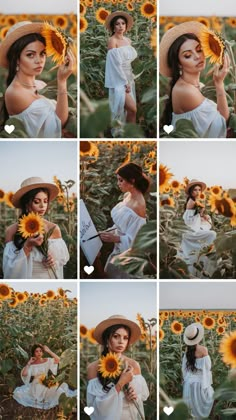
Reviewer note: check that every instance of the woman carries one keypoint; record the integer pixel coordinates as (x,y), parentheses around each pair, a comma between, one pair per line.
(21,258)
(196,370)
(129,215)
(182,59)
(113,399)
(23,52)
(118,75)
(199,222)
(34,393)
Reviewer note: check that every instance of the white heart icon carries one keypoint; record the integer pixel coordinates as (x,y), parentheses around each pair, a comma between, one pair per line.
(88,410)
(168,410)
(88,269)
(9,128)
(168,128)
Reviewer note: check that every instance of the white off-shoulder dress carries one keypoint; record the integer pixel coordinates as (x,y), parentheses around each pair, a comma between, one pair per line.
(16,265)
(37,395)
(112,405)
(119,73)
(197,238)
(197,389)
(40,119)
(207,121)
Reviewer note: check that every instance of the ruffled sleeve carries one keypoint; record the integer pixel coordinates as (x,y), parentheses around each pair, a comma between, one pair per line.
(60,253)
(133,225)
(107,405)
(52,366)
(204,364)
(192,220)
(141,387)
(114,74)
(26,379)
(15,263)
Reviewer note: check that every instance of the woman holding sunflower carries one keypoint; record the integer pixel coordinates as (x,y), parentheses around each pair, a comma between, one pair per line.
(200,235)
(116,388)
(34,246)
(23,52)
(196,370)
(118,75)
(41,392)
(182,59)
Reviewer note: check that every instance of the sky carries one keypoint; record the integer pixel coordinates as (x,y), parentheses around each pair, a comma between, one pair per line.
(23,159)
(100,300)
(212,162)
(29,6)
(44,286)
(197,8)
(197,295)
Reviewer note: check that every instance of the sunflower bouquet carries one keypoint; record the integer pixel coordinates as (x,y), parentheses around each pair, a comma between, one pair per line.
(199,206)
(110,367)
(32,225)
(48,381)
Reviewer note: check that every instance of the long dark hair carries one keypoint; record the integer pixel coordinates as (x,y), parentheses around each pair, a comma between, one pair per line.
(107,334)
(34,347)
(191,358)
(133,172)
(190,192)
(24,201)
(113,22)
(173,63)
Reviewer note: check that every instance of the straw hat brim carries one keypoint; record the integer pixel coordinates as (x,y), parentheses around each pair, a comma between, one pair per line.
(53,192)
(199,336)
(195,182)
(129,18)
(192,27)
(28,28)
(102,326)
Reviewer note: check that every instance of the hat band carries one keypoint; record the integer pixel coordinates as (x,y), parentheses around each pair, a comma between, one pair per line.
(193,338)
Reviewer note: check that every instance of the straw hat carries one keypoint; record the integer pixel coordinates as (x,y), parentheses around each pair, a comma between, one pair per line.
(30,184)
(170,36)
(129,18)
(195,182)
(15,32)
(193,334)
(115,320)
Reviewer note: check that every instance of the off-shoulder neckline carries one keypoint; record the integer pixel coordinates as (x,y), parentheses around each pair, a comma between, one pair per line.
(136,214)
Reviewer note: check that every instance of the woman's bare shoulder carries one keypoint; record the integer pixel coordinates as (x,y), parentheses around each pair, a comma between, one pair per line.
(128,40)
(92,370)
(203,351)
(56,231)
(190,204)
(185,97)
(10,232)
(135,365)
(111,43)
(17,99)
(138,206)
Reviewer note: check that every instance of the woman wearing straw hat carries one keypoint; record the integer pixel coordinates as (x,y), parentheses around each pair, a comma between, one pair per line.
(182,59)
(23,53)
(196,370)
(22,259)
(119,77)
(121,398)
(200,224)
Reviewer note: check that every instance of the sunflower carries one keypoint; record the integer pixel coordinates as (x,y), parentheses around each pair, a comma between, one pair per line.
(21,297)
(56,43)
(213,46)
(228,349)
(153,169)
(175,185)
(141,323)
(101,15)
(73,31)
(216,190)
(61,292)
(168,26)
(177,327)
(110,366)
(11,20)
(13,303)
(61,21)
(42,302)
(161,322)
(148,9)
(4,31)
(231,22)
(8,199)
(220,330)
(87,148)
(30,225)
(90,336)
(2,195)
(161,334)
(168,201)
(225,206)
(83,331)
(164,176)
(208,322)
(50,294)
(5,291)
(153,343)
(129,6)
(204,21)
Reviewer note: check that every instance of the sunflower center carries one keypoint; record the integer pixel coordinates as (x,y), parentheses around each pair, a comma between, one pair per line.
(167,201)
(209,322)
(149,9)
(233,347)
(32,226)
(175,184)
(83,330)
(57,43)
(85,146)
(4,290)
(177,327)
(1,193)
(214,45)
(103,14)
(111,365)
(162,177)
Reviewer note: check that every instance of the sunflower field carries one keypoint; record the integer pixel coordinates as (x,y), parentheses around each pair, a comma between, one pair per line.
(95,114)
(224,30)
(68,25)
(62,211)
(143,351)
(28,318)
(220,340)
(220,205)
(98,189)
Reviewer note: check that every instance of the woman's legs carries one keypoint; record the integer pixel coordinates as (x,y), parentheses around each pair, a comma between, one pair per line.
(130,107)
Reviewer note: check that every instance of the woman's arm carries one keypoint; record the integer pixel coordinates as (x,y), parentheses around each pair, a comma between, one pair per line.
(64,71)
(218,78)
(55,357)
(25,371)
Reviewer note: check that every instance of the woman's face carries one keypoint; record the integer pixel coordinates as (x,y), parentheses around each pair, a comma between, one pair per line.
(38,353)
(39,204)
(32,59)
(124,185)
(191,57)
(196,191)
(120,26)
(118,341)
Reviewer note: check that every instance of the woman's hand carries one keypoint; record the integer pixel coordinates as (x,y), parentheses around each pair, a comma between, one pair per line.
(46,348)
(127,375)
(130,394)
(31,360)
(33,241)
(48,261)
(127,89)
(219,74)
(109,237)
(66,69)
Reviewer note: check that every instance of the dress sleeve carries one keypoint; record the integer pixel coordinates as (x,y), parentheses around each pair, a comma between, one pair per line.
(15,263)
(204,364)
(114,74)
(133,225)
(26,379)
(107,405)
(192,220)
(52,366)
(140,387)
(59,251)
